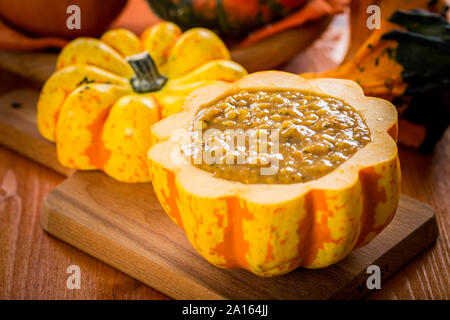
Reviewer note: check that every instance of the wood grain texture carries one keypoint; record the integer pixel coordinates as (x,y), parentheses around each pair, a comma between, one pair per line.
(94,213)
(18,129)
(35,66)
(426,178)
(33,264)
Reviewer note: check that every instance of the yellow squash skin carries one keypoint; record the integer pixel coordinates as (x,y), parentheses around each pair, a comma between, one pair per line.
(272,229)
(91,111)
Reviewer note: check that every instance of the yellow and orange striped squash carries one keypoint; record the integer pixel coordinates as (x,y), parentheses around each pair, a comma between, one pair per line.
(99,120)
(271,229)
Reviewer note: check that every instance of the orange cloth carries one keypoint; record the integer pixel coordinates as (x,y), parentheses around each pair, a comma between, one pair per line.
(11,39)
(312,10)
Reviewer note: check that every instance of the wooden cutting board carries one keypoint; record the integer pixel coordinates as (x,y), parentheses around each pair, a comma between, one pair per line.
(19,132)
(124,226)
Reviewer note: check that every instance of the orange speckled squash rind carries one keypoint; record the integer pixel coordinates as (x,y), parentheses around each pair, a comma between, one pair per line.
(97,119)
(273,229)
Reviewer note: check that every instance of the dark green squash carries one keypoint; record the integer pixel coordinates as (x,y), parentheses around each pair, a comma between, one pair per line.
(424,52)
(230,18)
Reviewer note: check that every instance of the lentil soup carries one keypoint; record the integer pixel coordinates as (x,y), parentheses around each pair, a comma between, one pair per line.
(315,133)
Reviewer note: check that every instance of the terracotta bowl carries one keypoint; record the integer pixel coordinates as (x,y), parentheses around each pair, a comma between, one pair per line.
(48,17)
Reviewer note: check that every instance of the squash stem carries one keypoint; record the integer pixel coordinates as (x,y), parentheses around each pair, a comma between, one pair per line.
(146,76)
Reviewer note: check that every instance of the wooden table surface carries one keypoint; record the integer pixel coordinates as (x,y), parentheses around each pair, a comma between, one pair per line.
(33,264)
